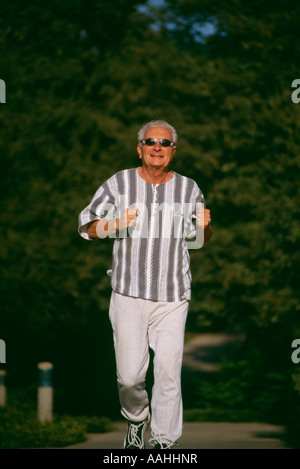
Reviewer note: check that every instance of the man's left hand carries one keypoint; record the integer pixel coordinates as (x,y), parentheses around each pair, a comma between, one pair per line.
(203,217)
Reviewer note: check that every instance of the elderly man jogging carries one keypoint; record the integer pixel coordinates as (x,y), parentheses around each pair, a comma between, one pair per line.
(154,216)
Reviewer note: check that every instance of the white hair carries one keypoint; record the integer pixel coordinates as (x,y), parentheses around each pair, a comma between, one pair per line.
(157,123)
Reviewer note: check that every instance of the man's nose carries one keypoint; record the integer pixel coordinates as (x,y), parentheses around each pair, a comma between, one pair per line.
(157,146)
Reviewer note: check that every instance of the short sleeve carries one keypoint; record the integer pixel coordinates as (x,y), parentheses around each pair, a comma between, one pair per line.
(102,206)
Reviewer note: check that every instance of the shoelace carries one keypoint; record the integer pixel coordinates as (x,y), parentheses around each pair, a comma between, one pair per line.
(132,437)
(163,444)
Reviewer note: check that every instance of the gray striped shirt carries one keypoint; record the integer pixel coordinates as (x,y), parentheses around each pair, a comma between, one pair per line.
(150,259)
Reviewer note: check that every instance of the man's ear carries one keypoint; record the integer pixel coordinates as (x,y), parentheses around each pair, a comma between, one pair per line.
(139,150)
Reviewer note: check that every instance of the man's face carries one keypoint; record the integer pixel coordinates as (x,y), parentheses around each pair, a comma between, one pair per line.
(156,156)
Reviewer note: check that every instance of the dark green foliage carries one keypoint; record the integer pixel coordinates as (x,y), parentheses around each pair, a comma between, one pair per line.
(20,427)
(243,392)
(19,431)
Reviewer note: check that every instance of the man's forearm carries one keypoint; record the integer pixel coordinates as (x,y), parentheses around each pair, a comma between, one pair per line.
(208,231)
(103,228)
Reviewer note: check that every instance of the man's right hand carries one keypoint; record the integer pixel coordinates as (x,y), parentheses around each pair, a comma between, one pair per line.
(128,218)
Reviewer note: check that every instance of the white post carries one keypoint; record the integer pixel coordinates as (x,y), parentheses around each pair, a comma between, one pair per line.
(45,392)
(2,388)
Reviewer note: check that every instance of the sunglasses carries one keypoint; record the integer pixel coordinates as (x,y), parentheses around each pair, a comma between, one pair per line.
(152,141)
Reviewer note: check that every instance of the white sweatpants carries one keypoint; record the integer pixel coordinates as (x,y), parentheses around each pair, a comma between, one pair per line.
(137,325)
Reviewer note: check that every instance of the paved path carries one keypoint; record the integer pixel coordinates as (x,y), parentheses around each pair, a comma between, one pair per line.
(204,352)
(201,435)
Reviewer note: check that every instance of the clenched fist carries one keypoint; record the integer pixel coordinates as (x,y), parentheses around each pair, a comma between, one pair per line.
(128,218)
(203,217)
